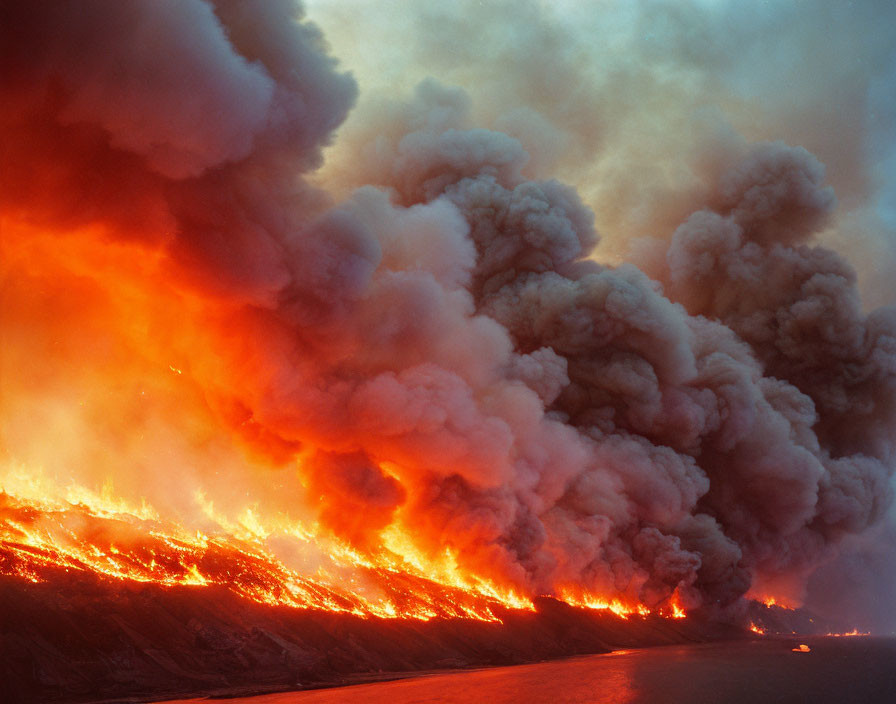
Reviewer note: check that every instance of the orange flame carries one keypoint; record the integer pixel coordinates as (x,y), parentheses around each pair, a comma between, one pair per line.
(233,507)
(619,607)
(589,601)
(676,609)
(38,541)
(103,535)
(773,601)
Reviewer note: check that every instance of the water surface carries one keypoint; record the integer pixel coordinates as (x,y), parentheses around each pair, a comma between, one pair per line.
(835,671)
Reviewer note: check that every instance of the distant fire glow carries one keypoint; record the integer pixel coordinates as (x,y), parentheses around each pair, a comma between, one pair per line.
(389,371)
(852,633)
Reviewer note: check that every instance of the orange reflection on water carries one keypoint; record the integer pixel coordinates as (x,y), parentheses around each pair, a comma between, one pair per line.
(840,670)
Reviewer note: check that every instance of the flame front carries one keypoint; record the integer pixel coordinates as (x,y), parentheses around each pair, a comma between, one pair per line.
(104,536)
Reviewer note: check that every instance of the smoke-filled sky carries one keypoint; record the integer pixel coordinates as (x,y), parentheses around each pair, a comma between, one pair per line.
(595,296)
(631,101)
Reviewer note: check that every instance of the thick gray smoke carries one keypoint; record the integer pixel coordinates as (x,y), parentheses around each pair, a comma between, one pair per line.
(439,346)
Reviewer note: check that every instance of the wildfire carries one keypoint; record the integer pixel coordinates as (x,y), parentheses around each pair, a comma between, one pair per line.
(672,609)
(600,604)
(130,394)
(417,389)
(39,539)
(759,630)
(773,601)
(99,533)
(676,609)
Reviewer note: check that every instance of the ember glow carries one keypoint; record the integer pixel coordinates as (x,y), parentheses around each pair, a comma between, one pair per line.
(852,633)
(406,381)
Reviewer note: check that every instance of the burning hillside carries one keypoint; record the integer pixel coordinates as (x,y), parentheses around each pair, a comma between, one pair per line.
(429,398)
(39,545)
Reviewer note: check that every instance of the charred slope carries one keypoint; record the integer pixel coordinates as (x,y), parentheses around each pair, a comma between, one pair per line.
(80,639)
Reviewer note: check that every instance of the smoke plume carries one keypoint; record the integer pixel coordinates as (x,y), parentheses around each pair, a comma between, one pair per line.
(432,344)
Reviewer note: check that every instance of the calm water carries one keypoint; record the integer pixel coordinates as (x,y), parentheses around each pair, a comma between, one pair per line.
(836,671)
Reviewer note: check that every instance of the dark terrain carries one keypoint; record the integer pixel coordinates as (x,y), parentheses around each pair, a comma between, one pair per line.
(79,638)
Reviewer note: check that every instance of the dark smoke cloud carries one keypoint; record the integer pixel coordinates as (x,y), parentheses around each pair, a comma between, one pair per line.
(439,346)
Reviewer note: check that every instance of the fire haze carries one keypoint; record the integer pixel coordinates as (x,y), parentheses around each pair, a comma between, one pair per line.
(413,363)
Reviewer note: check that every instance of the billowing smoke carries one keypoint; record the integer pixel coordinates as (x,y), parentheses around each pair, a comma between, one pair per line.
(437,350)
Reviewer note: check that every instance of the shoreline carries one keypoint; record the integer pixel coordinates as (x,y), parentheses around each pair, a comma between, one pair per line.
(374,678)
(839,671)
(80,640)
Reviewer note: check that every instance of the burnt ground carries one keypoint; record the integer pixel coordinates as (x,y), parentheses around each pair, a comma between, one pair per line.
(79,638)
